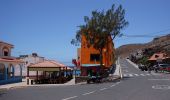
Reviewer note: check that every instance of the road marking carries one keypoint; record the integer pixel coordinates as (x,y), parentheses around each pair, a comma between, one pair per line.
(130,75)
(163,87)
(159,79)
(136,74)
(88,93)
(142,74)
(148,74)
(103,89)
(124,75)
(70,98)
(113,85)
(117,83)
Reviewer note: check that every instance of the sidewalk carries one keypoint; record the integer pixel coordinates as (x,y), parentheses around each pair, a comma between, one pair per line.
(13,85)
(115,76)
(24,84)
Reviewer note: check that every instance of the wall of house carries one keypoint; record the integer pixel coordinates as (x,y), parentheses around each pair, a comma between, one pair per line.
(8,72)
(2,46)
(30,60)
(108,53)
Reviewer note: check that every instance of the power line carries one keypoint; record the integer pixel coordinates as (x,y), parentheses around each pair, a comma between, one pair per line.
(150,36)
(144,36)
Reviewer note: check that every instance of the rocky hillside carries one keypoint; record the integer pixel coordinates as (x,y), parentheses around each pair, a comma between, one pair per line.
(125,50)
(159,44)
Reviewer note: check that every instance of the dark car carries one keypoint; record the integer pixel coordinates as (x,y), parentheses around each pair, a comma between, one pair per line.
(142,67)
(94,79)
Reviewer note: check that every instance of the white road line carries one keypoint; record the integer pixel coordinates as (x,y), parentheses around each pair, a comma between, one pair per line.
(148,74)
(117,83)
(142,74)
(164,87)
(113,85)
(159,79)
(130,75)
(70,98)
(88,93)
(136,74)
(124,75)
(103,89)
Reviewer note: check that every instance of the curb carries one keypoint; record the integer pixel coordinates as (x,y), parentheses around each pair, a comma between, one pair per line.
(81,83)
(136,66)
(48,85)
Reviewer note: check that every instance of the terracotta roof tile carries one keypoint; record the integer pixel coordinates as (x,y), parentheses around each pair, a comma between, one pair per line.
(158,56)
(10,60)
(49,63)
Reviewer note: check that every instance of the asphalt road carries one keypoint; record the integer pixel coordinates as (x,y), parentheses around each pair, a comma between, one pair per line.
(136,85)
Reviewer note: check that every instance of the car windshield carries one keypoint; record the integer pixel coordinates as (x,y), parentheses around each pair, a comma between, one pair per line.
(164,65)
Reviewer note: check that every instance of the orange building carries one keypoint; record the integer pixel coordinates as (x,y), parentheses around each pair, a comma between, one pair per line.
(89,56)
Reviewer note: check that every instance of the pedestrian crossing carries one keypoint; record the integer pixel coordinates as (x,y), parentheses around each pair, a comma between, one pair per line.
(136,75)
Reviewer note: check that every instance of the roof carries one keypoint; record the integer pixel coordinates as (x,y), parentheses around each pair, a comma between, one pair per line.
(49,64)
(159,56)
(6,43)
(10,60)
(46,64)
(90,65)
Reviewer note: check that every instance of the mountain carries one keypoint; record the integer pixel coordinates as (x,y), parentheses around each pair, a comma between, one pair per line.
(158,44)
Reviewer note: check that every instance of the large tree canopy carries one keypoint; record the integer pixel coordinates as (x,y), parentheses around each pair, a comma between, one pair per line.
(99,26)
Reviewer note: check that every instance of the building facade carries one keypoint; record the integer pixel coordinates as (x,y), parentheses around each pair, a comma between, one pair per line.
(90,57)
(28,60)
(10,67)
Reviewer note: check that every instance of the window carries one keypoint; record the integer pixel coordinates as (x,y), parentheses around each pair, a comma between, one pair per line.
(94,57)
(5,53)
(156,56)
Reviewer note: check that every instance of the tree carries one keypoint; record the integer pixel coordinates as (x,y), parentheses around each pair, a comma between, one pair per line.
(100,26)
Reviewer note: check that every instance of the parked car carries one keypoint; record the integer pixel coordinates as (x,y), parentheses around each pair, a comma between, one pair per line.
(162,67)
(142,67)
(94,79)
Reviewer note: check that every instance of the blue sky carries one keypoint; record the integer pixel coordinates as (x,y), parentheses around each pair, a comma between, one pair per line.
(47,26)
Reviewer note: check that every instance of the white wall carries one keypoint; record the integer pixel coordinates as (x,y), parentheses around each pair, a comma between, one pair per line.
(31,60)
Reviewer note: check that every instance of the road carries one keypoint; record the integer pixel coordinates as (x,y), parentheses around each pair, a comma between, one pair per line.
(136,85)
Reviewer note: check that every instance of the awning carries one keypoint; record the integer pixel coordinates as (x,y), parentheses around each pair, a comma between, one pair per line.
(44,69)
(90,65)
(48,65)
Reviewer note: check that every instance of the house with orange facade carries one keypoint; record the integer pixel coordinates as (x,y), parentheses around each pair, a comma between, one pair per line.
(89,57)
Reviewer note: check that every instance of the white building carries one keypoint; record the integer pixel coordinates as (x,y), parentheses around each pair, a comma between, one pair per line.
(10,67)
(28,60)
